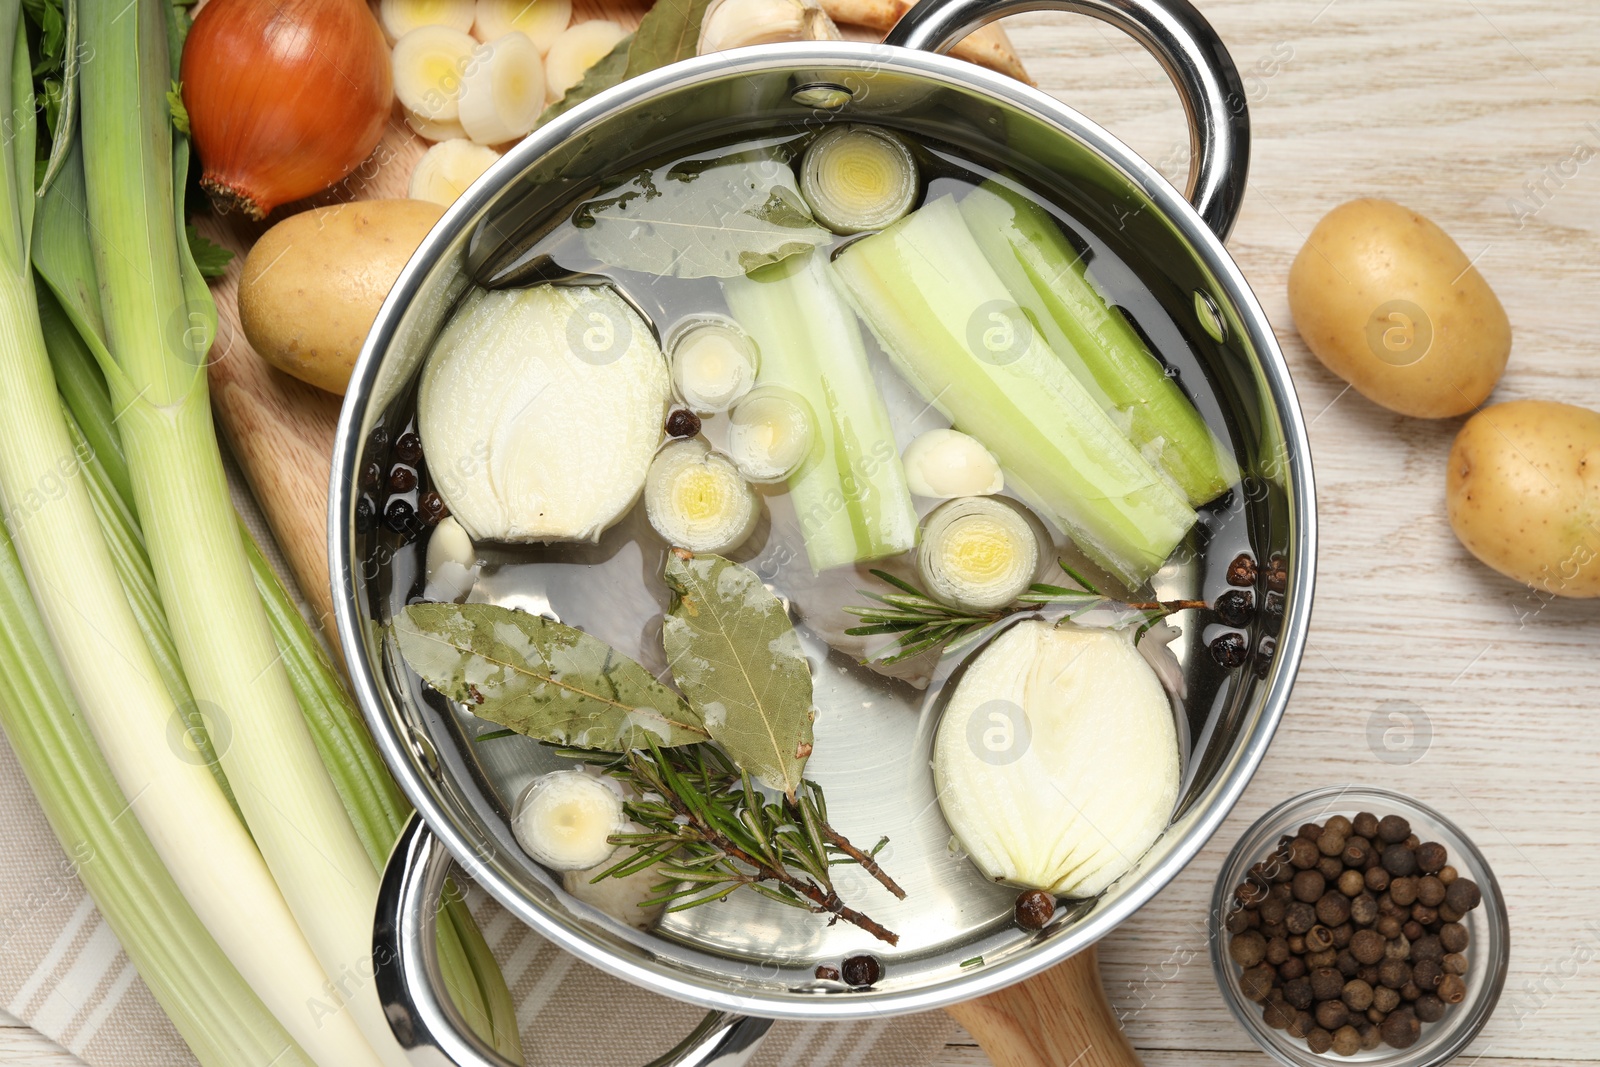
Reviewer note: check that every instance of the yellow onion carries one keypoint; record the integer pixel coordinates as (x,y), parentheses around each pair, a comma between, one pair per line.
(285,97)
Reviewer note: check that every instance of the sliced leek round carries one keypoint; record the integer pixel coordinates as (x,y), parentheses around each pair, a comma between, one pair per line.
(502,92)
(435,130)
(541,20)
(447,168)
(400,17)
(771,431)
(713,363)
(696,499)
(978,553)
(577,48)
(858,178)
(565,818)
(429,63)
(948,463)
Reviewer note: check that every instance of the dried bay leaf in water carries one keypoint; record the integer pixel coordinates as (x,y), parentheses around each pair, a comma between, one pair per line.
(735,655)
(542,678)
(701,219)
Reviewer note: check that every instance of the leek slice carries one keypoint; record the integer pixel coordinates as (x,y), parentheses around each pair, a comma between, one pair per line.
(696,499)
(713,363)
(953,330)
(770,433)
(850,494)
(1049,280)
(978,553)
(858,178)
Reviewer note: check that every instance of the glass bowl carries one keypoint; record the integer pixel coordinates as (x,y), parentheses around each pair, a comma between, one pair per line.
(1488,950)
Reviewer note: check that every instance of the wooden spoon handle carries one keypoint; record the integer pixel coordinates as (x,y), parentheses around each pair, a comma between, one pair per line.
(1060,1018)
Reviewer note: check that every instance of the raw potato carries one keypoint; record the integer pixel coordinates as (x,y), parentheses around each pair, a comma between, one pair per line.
(314,282)
(1388,302)
(1524,493)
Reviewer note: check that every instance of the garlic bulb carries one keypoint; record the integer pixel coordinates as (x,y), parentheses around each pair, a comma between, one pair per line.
(696,499)
(540,410)
(563,820)
(978,552)
(948,463)
(1056,760)
(736,23)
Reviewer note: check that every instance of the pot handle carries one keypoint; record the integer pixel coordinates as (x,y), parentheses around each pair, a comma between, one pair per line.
(426,1023)
(1186,46)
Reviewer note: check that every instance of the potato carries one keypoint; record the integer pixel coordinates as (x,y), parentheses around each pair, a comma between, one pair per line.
(1388,302)
(314,282)
(1524,493)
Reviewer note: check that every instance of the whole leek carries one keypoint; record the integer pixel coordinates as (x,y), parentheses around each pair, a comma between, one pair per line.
(102,652)
(953,330)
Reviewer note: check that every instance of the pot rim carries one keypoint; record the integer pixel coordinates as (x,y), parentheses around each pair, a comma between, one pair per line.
(698,987)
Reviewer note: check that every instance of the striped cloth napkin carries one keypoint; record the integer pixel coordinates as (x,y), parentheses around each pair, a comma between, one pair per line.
(63,973)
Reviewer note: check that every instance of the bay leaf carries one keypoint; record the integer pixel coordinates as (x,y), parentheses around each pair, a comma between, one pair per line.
(608,70)
(701,219)
(735,655)
(669,31)
(541,678)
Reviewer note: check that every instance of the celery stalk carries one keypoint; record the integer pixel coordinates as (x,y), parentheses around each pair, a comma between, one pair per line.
(926,290)
(1049,279)
(224,1023)
(850,496)
(151,304)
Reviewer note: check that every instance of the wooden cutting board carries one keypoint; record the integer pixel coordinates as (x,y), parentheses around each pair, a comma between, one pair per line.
(281,431)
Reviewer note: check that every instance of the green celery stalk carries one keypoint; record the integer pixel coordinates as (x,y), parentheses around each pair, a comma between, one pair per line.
(1050,281)
(850,495)
(925,288)
(224,1023)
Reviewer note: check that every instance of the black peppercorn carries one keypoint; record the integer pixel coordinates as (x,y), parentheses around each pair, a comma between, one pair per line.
(432,508)
(1394,973)
(1346,1041)
(1242,571)
(1357,995)
(1331,1014)
(402,479)
(827,974)
(1295,966)
(1308,887)
(1333,908)
(1403,891)
(1399,861)
(1303,853)
(398,515)
(1278,952)
(1298,993)
(1426,974)
(862,970)
(1365,824)
(366,515)
(1331,867)
(1423,916)
(1035,906)
(378,443)
(1429,1008)
(408,448)
(1377,879)
(371,476)
(1277,573)
(1431,856)
(1230,650)
(682,423)
(1430,891)
(1326,983)
(1236,607)
(1331,843)
(1367,946)
(1299,917)
(1412,930)
(1319,1041)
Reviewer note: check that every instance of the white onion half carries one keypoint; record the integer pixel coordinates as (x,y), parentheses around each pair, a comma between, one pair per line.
(1056,759)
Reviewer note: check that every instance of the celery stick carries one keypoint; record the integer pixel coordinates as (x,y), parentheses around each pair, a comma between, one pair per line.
(934,302)
(850,495)
(224,1023)
(1049,279)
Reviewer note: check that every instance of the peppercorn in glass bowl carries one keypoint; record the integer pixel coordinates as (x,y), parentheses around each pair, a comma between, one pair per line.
(1486,931)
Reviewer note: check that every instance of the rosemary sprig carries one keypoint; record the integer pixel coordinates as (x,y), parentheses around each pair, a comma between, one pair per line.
(923,622)
(708,831)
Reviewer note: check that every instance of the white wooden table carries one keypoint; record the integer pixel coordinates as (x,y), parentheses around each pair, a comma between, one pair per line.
(1451,107)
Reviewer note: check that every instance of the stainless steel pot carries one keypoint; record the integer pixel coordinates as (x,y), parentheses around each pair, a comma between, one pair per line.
(1176,248)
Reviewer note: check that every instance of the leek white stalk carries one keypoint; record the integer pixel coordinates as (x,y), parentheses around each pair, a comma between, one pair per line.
(564,820)
(696,499)
(770,433)
(850,496)
(430,65)
(502,91)
(223,1022)
(858,178)
(1056,759)
(150,305)
(978,553)
(957,335)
